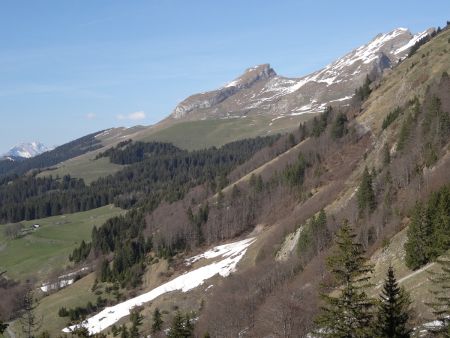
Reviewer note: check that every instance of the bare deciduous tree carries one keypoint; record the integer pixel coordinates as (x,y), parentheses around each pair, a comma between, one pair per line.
(29,321)
(13,231)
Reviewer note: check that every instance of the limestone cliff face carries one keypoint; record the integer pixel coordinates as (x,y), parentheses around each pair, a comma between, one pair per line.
(212,98)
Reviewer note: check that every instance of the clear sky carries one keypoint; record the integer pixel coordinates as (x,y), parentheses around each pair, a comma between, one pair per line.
(68,68)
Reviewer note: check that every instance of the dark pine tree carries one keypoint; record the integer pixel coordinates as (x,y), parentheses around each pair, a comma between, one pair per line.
(349,313)
(124,332)
(338,128)
(363,92)
(418,244)
(136,321)
(3,327)
(393,310)
(157,321)
(181,327)
(366,196)
(177,328)
(440,290)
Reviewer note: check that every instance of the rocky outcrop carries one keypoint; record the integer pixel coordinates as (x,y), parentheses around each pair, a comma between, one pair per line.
(210,99)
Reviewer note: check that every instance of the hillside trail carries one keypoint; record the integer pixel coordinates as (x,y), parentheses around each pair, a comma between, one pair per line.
(9,332)
(426,267)
(412,274)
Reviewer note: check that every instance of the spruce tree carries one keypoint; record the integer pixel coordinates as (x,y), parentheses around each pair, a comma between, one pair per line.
(124,333)
(157,321)
(419,242)
(189,325)
(134,332)
(115,330)
(393,316)
(338,128)
(259,184)
(177,328)
(182,327)
(136,321)
(440,290)
(3,327)
(349,312)
(321,232)
(366,196)
(105,271)
(302,131)
(235,193)
(291,140)
(363,92)
(439,209)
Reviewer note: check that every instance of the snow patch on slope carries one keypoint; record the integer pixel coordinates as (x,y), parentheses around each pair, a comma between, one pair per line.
(411,42)
(63,281)
(232,254)
(333,72)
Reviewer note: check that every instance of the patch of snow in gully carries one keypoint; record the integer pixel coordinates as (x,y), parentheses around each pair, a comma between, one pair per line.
(232,254)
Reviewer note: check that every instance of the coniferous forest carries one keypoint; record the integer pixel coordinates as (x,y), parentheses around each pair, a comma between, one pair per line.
(148,181)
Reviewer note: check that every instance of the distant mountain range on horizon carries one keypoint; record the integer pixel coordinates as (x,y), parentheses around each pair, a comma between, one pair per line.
(26,150)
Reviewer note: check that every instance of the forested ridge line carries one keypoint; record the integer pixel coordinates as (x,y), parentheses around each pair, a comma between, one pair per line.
(167,176)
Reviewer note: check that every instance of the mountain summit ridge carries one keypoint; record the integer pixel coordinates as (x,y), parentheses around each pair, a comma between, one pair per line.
(260,90)
(211,98)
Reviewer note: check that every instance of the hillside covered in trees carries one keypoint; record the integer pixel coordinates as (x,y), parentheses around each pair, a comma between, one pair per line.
(167,176)
(347,219)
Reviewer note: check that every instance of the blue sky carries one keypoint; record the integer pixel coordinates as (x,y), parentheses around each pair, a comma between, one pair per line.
(68,68)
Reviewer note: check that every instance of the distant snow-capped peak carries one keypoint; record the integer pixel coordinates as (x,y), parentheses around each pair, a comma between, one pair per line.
(27,150)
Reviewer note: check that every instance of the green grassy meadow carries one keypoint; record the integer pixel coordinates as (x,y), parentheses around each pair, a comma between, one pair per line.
(84,167)
(193,135)
(42,250)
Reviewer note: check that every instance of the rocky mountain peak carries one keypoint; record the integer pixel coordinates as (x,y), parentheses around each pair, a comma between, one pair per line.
(251,75)
(27,150)
(259,90)
(209,99)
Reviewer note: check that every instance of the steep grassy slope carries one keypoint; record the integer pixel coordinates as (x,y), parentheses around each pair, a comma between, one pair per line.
(416,282)
(410,78)
(77,294)
(85,166)
(217,132)
(42,250)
